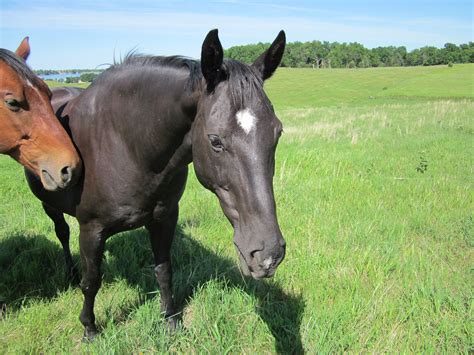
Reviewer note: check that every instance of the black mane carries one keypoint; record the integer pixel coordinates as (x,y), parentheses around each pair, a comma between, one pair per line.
(19,66)
(243,80)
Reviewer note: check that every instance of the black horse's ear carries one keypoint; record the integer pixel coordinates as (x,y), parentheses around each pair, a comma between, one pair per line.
(212,56)
(269,60)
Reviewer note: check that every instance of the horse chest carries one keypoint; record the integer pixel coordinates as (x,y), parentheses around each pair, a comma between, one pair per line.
(138,209)
(126,217)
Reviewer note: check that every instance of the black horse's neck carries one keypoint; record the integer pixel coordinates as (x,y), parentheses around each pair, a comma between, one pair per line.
(178,128)
(139,117)
(152,110)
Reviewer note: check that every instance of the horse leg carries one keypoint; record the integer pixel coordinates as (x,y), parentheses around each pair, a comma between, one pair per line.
(62,233)
(161,237)
(92,243)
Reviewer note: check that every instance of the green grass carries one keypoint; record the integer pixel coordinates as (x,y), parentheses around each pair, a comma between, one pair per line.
(298,88)
(379,254)
(53,83)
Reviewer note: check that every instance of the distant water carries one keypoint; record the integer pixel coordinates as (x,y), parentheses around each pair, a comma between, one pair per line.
(60,76)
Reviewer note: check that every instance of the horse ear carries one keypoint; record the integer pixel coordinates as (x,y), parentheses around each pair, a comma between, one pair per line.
(23,49)
(212,56)
(269,60)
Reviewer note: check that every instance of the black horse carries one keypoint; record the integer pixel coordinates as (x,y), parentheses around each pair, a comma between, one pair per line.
(138,126)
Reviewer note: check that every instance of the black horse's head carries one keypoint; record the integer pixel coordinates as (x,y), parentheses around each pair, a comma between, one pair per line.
(234,140)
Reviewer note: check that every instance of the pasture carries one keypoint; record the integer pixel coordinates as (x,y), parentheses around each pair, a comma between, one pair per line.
(373,186)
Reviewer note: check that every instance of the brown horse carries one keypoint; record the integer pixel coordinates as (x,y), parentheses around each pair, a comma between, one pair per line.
(29,130)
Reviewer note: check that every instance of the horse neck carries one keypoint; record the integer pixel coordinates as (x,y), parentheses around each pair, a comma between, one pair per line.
(145,113)
(165,137)
(182,153)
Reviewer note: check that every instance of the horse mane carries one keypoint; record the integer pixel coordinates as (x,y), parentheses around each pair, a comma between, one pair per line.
(244,80)
(175,61)
(20,67)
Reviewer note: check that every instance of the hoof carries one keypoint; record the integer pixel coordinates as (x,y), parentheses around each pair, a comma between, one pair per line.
(89,335)
(172,324)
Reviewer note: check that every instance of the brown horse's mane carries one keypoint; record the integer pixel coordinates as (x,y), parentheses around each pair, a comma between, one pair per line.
(20,67)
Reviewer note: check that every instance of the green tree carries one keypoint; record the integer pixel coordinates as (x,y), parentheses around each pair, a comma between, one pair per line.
(72,80)
(343,55)
(430,55)
(88,77)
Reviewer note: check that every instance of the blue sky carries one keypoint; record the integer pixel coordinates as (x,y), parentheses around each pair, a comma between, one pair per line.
(86,34)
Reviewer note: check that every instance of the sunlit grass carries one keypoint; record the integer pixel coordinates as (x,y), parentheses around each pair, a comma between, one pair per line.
(375,202)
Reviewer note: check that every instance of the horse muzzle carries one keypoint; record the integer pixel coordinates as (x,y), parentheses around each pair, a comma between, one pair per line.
(59,178)
(262,264)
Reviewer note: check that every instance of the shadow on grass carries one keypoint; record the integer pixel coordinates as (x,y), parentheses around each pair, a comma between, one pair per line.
(33,266)
(194,265)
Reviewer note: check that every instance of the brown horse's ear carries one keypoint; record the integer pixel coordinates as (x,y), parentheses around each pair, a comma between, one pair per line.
(23,50)
(269,60)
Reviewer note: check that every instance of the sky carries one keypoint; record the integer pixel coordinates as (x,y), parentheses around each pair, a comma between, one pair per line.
(91,33)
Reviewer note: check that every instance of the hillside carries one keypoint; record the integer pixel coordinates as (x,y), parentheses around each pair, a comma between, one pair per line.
(325,87)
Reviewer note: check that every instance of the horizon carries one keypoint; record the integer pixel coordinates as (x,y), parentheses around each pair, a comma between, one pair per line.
(89,34)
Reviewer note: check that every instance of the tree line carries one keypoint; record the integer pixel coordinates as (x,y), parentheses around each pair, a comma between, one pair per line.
(325,54)
(84,78)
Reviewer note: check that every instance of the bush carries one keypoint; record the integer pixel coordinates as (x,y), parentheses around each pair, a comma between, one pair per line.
(88,77)
(71,80)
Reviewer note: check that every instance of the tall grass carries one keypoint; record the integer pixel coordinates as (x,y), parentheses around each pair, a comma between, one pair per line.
(374,199)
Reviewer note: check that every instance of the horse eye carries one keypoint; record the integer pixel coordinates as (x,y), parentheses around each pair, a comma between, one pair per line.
(13,105)
(216,142)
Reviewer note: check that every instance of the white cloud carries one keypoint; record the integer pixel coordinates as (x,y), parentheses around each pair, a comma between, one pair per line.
(238,29)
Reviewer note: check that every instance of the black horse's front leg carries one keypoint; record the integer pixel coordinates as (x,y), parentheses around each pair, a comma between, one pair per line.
(161,237)
(62,232)
(92,243)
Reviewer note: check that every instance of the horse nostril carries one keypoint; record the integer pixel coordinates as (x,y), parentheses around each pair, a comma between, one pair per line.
(254,254)
(66,174)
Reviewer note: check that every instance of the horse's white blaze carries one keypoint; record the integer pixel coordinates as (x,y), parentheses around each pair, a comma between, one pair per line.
(246,119)
(31,85)
(267,262)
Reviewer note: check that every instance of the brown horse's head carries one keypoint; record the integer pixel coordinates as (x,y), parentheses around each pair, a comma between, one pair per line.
(29,131)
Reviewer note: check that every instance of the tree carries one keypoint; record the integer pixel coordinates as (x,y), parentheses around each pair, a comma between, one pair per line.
(88,77)
(430,56)
(450,52)
(72,80)
(414,58)
(343,55)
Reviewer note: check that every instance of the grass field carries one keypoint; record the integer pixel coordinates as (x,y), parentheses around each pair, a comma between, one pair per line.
(374,188)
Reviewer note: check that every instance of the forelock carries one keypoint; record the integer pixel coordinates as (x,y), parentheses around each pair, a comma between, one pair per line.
(244,82)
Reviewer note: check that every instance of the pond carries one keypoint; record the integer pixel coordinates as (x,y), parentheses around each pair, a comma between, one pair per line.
(60,76)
